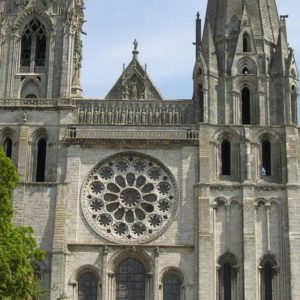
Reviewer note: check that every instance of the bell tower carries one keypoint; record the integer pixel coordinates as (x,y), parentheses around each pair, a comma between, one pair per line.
(40,48)
(245,72)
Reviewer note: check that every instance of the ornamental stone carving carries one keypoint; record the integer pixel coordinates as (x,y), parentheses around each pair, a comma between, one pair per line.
(129,198)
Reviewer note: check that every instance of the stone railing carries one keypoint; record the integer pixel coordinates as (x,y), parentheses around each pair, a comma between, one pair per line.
(73,134)
(109,112)
(37,102)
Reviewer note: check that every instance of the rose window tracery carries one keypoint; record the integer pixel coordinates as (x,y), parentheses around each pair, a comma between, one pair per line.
(129,198)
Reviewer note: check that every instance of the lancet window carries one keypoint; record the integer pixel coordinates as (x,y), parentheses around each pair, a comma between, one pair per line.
(33,45)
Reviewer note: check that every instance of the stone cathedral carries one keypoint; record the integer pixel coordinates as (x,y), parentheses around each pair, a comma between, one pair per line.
(136,197)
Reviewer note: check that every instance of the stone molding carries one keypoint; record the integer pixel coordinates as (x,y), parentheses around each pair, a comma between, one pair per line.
(75,135)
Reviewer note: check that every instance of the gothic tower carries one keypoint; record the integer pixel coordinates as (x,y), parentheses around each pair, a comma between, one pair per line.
(245,69)
(245,93)
(41,48)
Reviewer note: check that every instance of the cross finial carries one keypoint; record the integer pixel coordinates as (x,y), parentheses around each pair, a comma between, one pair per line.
(198,15)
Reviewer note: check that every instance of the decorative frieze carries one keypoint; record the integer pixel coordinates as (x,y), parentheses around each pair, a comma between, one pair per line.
(133,113)
(74,134)
(37,102)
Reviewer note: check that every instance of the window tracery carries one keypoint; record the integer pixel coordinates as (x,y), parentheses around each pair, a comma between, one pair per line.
(33,45)
(171,287)
(129,198)
(130,280)
(87,286)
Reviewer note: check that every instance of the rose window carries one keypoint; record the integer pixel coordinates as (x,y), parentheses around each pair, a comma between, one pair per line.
(129,198)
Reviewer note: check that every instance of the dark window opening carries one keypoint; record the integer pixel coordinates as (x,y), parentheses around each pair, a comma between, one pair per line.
(227,274)
(41,160)
(268,283)
(201,102)
(246,107)
(130,280)
(246,43)
(266,158)
(294,105)
(87,287)
(31,96)
(225,157)
(8,147)
(33,47)
(26,51)
(245,71)
(40,52)
(171,287)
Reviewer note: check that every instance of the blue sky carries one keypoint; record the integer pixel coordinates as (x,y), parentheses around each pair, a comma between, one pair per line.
(165,30)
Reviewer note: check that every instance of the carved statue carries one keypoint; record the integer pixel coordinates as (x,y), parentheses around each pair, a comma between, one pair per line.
(123,116)
(81,115)
(143,116)
(89,116)
(96,116)
(102,116)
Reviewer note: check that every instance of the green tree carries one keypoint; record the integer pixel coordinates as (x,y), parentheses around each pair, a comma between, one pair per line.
(18,249)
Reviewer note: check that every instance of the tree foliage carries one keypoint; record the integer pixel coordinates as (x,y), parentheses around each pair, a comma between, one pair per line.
(18,249)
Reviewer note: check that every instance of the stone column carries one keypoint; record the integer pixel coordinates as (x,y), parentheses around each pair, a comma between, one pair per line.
(104,286)
(236,118)
(59,250)
(205,264)
(249,233)
(156,274)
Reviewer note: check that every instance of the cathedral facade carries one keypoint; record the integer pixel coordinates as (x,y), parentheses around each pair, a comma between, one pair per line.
(137,197)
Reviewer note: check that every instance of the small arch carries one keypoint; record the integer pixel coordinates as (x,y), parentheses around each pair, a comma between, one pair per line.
(30,87)
(172,282)
(269,272)
(89,275)
(246,42)
(245,71)
(266,162)
(220,201)
(8,145)
(227,276)
(246,106)
(226,157)
(88,286)
(41,160)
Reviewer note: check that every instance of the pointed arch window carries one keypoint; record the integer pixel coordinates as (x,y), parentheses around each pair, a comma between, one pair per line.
(88,287)
(269,273)
(266,158)
(130,280)
(226,157)
(246,106)
(227,277)
(171,287)
(41,160)
(294,105)
(8,147)
(227,281)
(246,43)
(33,45)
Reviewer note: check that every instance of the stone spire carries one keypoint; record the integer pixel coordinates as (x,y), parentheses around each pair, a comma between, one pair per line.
(225,16)
(244,49)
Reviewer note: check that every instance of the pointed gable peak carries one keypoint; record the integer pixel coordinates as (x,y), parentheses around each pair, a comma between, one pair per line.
(245,16)
(134,83)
